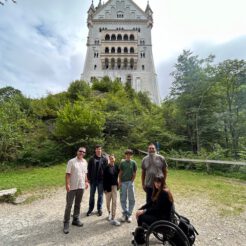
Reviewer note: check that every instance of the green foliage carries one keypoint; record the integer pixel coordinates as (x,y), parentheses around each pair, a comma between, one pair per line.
(78,88)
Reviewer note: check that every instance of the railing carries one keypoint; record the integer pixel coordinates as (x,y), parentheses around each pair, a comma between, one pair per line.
(207,162)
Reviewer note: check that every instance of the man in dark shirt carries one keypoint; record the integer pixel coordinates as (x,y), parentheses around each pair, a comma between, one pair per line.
(96,166)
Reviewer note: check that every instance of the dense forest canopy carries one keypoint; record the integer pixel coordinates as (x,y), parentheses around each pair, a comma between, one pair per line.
(205,115)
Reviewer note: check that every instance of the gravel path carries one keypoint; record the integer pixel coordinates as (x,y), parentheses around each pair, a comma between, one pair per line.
(40,223)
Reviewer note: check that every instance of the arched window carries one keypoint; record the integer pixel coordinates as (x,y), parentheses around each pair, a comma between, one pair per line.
(125,50)
(129,80)
(132,63)
(113,50)
(132,37)
(125,63)
(118,63)
(119,37)
(119,50)
(106,63)
(125,37)
(113,37)
(112,63)
(131,50)
(107,37)
(106,50)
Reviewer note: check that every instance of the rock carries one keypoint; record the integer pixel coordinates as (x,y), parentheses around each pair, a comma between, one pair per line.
(9,192)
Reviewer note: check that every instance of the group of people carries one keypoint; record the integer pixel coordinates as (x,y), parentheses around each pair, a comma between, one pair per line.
(103,175)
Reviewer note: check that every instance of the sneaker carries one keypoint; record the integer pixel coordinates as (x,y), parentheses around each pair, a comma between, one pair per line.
(77,223)
(100,212)
(129,219)
(109,218)
(115,222)
(89,213)
(123,218)
(66,228)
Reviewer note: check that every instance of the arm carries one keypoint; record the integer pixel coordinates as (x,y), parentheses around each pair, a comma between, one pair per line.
(67,178)
(143,178)
(86,182)
(90,163)
(120,177)
(165,173)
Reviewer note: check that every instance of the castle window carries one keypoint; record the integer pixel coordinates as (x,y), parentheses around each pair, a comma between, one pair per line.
(113,50)
(125,63)
(112,63)
(143,67)
(131,50)
(119,37)
(106,50)
(129,80)
(131,37)
(118,63)
(131,63)
(120,14)
(125,37)
(119,50)
(113,37)
(95,67)
(107,37)
(106,63)
(125,50)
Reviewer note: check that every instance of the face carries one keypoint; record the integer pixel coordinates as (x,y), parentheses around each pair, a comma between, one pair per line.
(111,159)
(98,151)
(81,152)
(157,185)
(151,149)
(128,156)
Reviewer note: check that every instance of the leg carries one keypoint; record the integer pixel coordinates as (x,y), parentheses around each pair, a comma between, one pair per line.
(100,196)
(114,200)
(78,199)
(92,197)
(108,196)
(69,199)
(123,198)
(146,219)
(131,197)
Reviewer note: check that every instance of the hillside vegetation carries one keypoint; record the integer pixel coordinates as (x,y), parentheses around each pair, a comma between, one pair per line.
(203,117)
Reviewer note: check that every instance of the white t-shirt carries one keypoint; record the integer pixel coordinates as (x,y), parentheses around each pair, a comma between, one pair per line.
(77,169)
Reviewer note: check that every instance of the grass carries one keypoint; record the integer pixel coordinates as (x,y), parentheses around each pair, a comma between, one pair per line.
(227,194)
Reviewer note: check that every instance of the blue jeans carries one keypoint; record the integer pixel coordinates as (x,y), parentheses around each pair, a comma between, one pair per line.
(93,187)
(127,193)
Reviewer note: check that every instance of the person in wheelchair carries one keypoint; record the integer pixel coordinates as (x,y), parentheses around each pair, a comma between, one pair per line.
(160,207)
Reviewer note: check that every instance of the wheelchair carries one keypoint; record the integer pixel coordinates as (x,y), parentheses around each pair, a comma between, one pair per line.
(166,233)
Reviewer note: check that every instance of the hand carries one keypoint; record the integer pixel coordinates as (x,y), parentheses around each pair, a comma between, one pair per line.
(86,185)
(138,213)
(119,186)
(68,187)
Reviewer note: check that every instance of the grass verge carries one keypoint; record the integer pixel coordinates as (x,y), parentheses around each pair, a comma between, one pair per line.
(227,194)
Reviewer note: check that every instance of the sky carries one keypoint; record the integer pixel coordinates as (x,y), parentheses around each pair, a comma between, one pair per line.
(43,42)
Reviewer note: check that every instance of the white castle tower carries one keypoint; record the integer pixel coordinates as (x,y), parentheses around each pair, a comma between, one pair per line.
(119,45)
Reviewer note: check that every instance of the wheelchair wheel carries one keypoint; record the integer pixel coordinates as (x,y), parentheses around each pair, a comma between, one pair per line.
(167,233)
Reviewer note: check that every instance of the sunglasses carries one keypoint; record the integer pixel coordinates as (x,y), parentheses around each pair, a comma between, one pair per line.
(81,151)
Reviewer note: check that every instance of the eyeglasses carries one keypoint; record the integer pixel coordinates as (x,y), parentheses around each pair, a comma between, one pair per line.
(151,148)
(81,151)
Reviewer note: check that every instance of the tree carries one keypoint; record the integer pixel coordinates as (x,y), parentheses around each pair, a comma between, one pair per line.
(191,85)
(231,79)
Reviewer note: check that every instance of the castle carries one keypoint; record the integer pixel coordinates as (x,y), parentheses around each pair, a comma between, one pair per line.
(119,45)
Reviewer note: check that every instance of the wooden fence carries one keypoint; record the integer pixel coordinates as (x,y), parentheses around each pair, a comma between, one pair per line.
(206,162)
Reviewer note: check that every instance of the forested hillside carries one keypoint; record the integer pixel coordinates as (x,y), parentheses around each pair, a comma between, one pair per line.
(205,115)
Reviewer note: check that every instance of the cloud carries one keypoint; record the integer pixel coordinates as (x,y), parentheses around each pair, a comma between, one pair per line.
(234,49)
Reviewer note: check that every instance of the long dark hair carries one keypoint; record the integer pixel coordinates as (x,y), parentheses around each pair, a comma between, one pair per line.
(156,192)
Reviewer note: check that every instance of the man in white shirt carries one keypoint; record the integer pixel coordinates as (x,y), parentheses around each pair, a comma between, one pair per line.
(76,182)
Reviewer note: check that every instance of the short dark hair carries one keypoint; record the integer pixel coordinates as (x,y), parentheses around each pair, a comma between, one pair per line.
(98,146)
(129,151)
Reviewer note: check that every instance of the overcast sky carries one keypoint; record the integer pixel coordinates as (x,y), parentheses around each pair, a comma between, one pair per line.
(43,42)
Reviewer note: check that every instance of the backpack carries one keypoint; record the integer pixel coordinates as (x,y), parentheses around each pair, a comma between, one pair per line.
(188,229)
